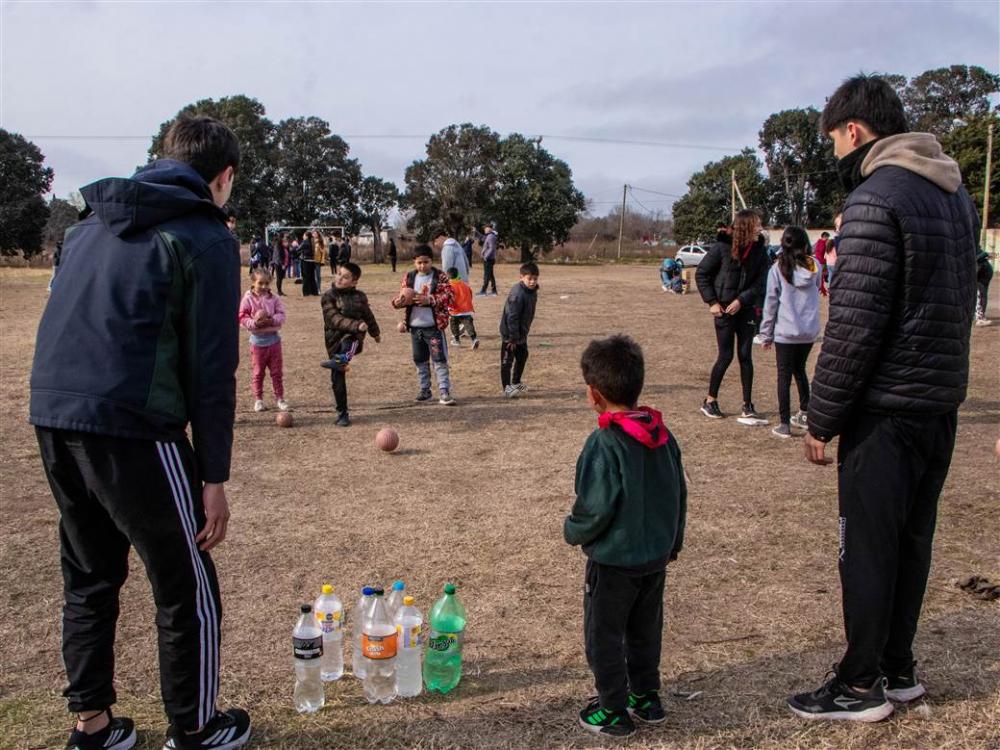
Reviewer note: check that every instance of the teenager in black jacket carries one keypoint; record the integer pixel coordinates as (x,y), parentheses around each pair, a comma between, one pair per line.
(730,280)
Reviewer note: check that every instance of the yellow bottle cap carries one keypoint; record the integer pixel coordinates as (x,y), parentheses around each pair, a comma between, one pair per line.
(407,601)
(327,588)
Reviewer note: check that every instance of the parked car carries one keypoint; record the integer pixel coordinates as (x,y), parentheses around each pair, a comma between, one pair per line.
(690,256)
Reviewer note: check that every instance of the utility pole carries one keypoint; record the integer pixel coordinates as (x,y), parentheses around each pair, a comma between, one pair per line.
(986,192)
(621,223)
(732,196)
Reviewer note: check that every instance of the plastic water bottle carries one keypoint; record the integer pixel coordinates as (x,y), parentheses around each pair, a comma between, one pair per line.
(395,599)
(307,652)
(330,616)
(409,647)
(379,653)
(443,661)
(358,624)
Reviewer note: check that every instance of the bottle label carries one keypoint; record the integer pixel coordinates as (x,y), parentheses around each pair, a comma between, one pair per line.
(307,648)
(330,622)
(444,642)
(411,637)
(378,646)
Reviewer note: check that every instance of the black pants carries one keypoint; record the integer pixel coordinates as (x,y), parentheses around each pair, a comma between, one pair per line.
(489,278)
(622,630)
(309,287)
(792,363)
(982,298)
(117,493)
(512,356)
(279,276)
(392,259)
(730,329)
(338,378)
(458,322)
(890,473)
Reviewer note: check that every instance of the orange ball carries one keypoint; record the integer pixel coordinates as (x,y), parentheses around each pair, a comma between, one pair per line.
(284,419)
(387,439)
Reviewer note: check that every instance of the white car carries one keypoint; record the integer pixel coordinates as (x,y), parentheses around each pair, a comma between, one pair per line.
(690,256)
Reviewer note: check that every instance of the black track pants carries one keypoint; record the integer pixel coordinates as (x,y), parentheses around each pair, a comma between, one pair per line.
(512,356)
(890,471)
(113,494)
(730,329)
(792,360)
(489,278)
(338,378)
(622,628)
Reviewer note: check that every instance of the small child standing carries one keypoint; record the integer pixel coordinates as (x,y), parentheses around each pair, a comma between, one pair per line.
(263,314)
(515,323)
(461,310)
(791,322)
(629,517)
(347,317)
(426,294)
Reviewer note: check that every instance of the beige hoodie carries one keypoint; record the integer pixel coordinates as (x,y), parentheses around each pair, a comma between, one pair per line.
(917,152)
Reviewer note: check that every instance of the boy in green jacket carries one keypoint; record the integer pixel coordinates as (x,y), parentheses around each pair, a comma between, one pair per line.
(631,503)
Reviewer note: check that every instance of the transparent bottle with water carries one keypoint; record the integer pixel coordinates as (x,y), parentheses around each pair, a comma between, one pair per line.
(358,626)
(409,648)
(330,617)
(443,660)
(395,599)
(379,653)
(307,653)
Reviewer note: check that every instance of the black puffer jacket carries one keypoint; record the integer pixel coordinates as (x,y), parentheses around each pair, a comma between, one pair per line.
(721,279)
(901,302)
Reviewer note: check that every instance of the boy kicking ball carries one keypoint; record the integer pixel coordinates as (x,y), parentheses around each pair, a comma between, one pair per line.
(629,515)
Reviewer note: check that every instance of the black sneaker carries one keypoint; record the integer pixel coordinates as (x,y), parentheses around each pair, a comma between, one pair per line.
(646,707)
(226,730)
(343,420)
(748,411)
(423,396)
(837,701)
(119,734)
(604,721)
(711,409)
(905,687)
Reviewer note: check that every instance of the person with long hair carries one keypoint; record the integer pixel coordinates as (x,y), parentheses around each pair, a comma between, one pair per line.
(307,261)
(729,281)
(279,260)
(319,258)
(791,322)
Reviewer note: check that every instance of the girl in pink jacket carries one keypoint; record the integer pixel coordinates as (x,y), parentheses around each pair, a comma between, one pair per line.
(263,313)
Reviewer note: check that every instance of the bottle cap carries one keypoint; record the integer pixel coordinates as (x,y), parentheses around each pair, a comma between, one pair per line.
(327,588)
(449,588)
(306,608)
(367,591)
(407,601)
(379,592)
(398,586)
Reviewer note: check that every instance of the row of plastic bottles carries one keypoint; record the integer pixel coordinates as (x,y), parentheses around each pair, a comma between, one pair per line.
(388,644)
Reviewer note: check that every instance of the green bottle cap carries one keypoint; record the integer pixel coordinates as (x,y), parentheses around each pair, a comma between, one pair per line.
(449,588)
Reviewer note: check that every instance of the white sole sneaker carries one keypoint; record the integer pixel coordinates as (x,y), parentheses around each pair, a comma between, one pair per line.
(905,695)
(873,714)
(752,421)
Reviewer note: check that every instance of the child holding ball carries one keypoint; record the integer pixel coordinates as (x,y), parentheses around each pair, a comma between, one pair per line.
(263,314)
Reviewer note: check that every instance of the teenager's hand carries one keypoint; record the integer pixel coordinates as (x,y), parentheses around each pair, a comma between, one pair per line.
(766,346)
(363,327)
(716,310)
(734,307)
(213,497)
(816,451)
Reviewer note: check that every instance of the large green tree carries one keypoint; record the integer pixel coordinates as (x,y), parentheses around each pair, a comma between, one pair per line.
(967,146)
(708,202)
(24,178)
(536,203)
(376,200)
(454,185)
(62,215)
(940,100)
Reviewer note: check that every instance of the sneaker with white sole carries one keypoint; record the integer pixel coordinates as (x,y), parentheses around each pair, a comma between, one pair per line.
(226,730)
(119,734)
(782,430)
(711,409)
(905,687)
(258,405)
(646,707)
(510,392)
(283,405)
(835,701)
(983,322)
(455,342)
(605,721)
(521,387)
(446,399)
(475,343)
(800,419)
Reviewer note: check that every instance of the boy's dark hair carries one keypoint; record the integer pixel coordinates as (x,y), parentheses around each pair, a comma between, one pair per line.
(438,232)
(529,269)
(423,251)
(615,367)
(869,99)
(204,143)
(453,273)
(825,235)
(352,268)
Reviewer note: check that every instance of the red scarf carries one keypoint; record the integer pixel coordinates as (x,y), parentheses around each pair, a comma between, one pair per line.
(644,424)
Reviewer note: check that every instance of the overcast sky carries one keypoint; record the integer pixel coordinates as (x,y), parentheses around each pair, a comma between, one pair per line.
(703,75)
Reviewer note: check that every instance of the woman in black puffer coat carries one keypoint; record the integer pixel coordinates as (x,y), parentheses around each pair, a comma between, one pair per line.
(730,280)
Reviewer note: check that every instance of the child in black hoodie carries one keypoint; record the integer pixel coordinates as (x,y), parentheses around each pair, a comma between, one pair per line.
(518,313)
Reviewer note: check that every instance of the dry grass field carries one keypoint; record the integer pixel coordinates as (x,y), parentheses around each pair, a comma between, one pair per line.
(477,494)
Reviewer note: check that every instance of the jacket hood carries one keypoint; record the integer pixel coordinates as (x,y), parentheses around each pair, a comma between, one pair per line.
(803,277)
(644,424)
(158,192)
(919,153)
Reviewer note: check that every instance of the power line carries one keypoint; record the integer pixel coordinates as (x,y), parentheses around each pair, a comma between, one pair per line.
(654,192)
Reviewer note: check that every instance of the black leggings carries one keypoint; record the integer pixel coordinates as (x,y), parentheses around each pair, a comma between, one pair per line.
(792,363)
(738,328)
(279,275)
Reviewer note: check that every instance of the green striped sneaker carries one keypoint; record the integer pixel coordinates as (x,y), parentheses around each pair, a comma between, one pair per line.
(646,707)
(606,721)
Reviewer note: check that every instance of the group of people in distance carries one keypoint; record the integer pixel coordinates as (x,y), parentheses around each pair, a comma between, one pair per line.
(142,345)
(301,258)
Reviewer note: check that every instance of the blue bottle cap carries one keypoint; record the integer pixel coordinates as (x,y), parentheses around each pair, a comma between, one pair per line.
(367,591)
(398,586)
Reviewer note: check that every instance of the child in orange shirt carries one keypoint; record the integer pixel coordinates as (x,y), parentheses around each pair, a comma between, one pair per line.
(461,311)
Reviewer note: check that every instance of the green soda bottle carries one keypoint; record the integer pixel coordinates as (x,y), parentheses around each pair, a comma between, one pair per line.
(443,660)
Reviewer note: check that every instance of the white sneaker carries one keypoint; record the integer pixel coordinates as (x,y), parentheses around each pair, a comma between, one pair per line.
(984,322)
(258,405)
(455,342)
(510,392)
(283,405)
(519,387)
(759,340)
(446,399)
(663,287)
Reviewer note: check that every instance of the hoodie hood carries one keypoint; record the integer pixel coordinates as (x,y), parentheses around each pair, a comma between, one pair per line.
(916,152)
(803,277)
(157,193)
(644,424)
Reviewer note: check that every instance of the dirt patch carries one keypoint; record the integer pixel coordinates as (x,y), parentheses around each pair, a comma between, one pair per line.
(477,495)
